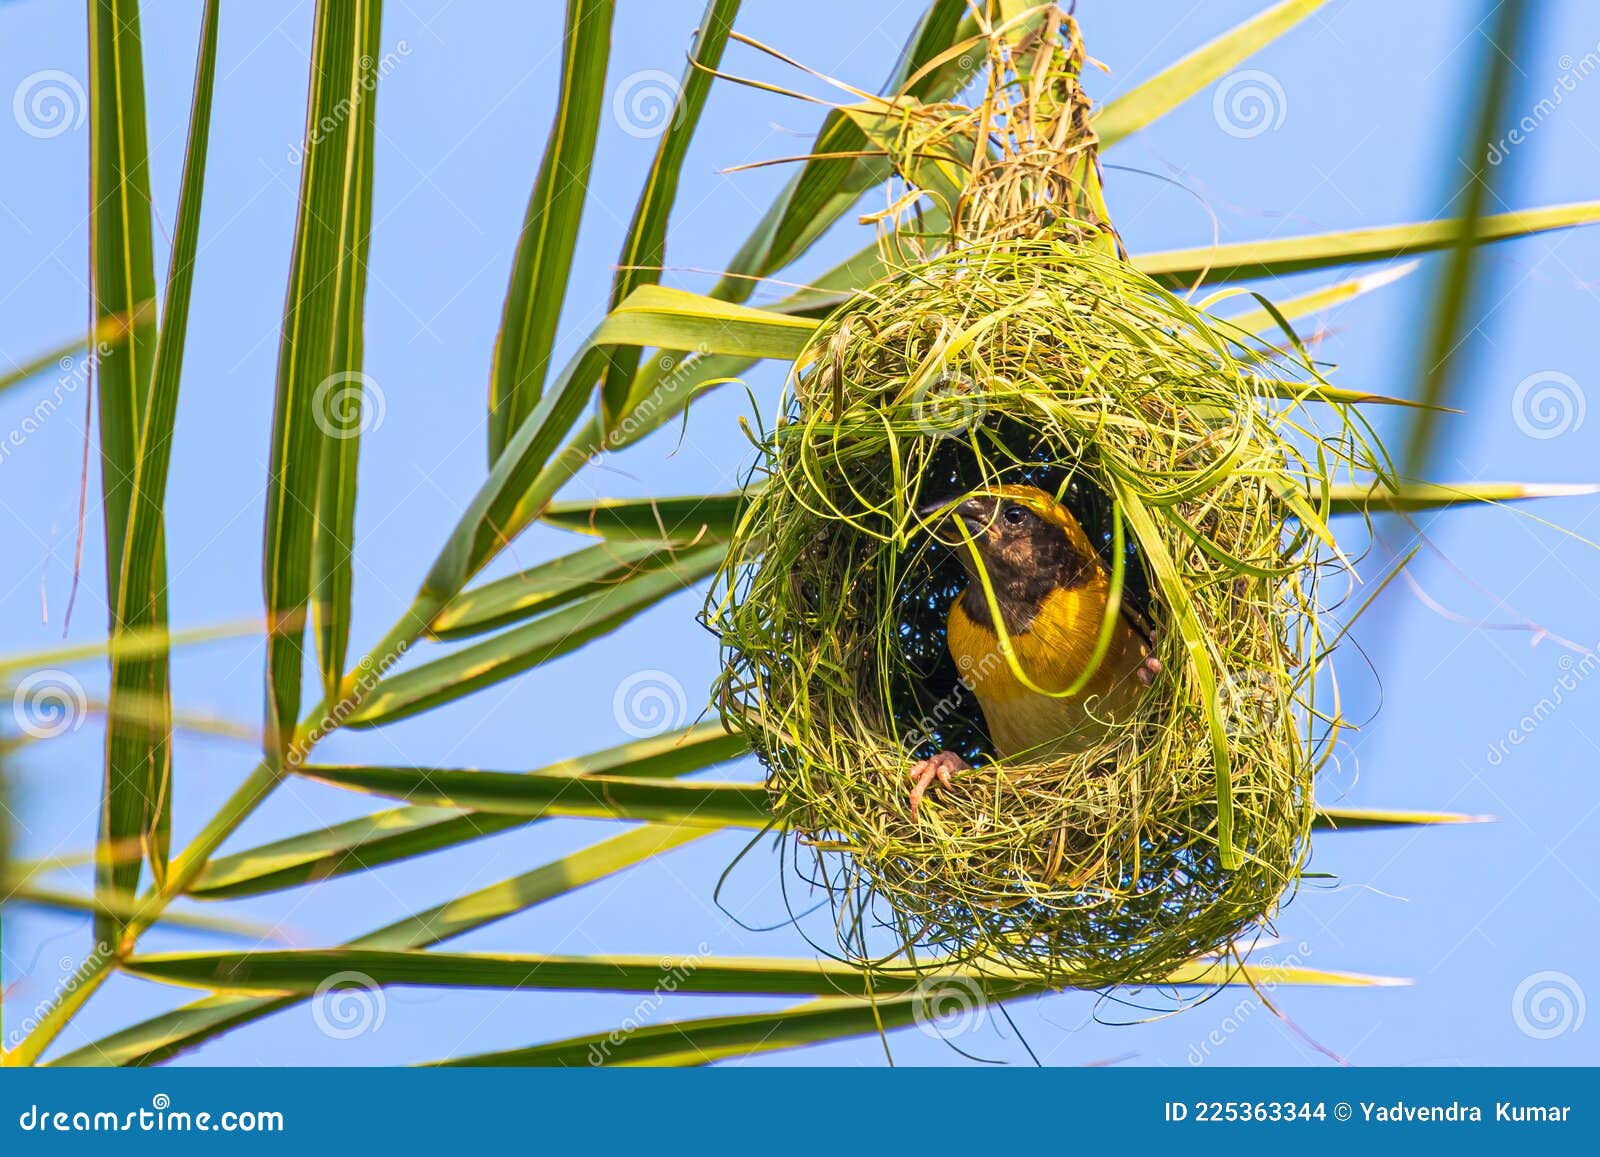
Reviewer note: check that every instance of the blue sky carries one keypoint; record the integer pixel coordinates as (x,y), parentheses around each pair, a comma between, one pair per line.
(1366,102)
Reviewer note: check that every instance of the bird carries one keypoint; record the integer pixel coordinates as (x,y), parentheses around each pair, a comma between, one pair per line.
(1052,589)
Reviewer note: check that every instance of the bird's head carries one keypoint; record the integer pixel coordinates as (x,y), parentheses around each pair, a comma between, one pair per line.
(1028,542)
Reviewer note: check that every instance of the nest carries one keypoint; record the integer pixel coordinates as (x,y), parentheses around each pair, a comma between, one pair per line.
(1196,456)
(1192,457)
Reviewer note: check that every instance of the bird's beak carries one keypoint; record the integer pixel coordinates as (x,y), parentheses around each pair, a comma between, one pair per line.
(975,512)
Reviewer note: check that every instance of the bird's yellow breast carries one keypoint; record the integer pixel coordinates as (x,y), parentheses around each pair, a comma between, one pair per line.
(1052,653)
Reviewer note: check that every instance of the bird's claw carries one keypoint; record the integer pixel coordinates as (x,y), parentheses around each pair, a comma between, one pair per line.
(939,767)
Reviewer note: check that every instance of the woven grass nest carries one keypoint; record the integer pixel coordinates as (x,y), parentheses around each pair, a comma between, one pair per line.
(1194,456)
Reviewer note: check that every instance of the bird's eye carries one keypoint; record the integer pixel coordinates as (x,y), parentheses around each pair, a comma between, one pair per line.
(1014,515)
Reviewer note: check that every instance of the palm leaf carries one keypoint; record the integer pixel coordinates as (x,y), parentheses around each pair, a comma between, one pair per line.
(644,249)
(35,895)
(303,970)
(138,748)
(1340,819)
(1212,264)
(549,585)
(1345,498)
(1260,321)
(517,650)
(684,518)
(341,400)
(705,1040)
(543,264)
(168,1034)
(497,796)
(122,279)
(1180,268)
(1441,353)
(324,260)
(1168,89)
(400,833)
(538,795)
(129,643)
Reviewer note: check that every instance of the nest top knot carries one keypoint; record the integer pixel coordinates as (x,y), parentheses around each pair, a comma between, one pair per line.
(1021,162)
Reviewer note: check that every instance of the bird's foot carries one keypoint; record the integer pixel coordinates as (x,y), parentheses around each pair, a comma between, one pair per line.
(939,767)
(1150,666)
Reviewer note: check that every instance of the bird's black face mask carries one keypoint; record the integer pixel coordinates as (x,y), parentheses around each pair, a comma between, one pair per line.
(1023,555)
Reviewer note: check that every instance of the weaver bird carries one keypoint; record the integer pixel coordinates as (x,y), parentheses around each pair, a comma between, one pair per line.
(1052,590)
